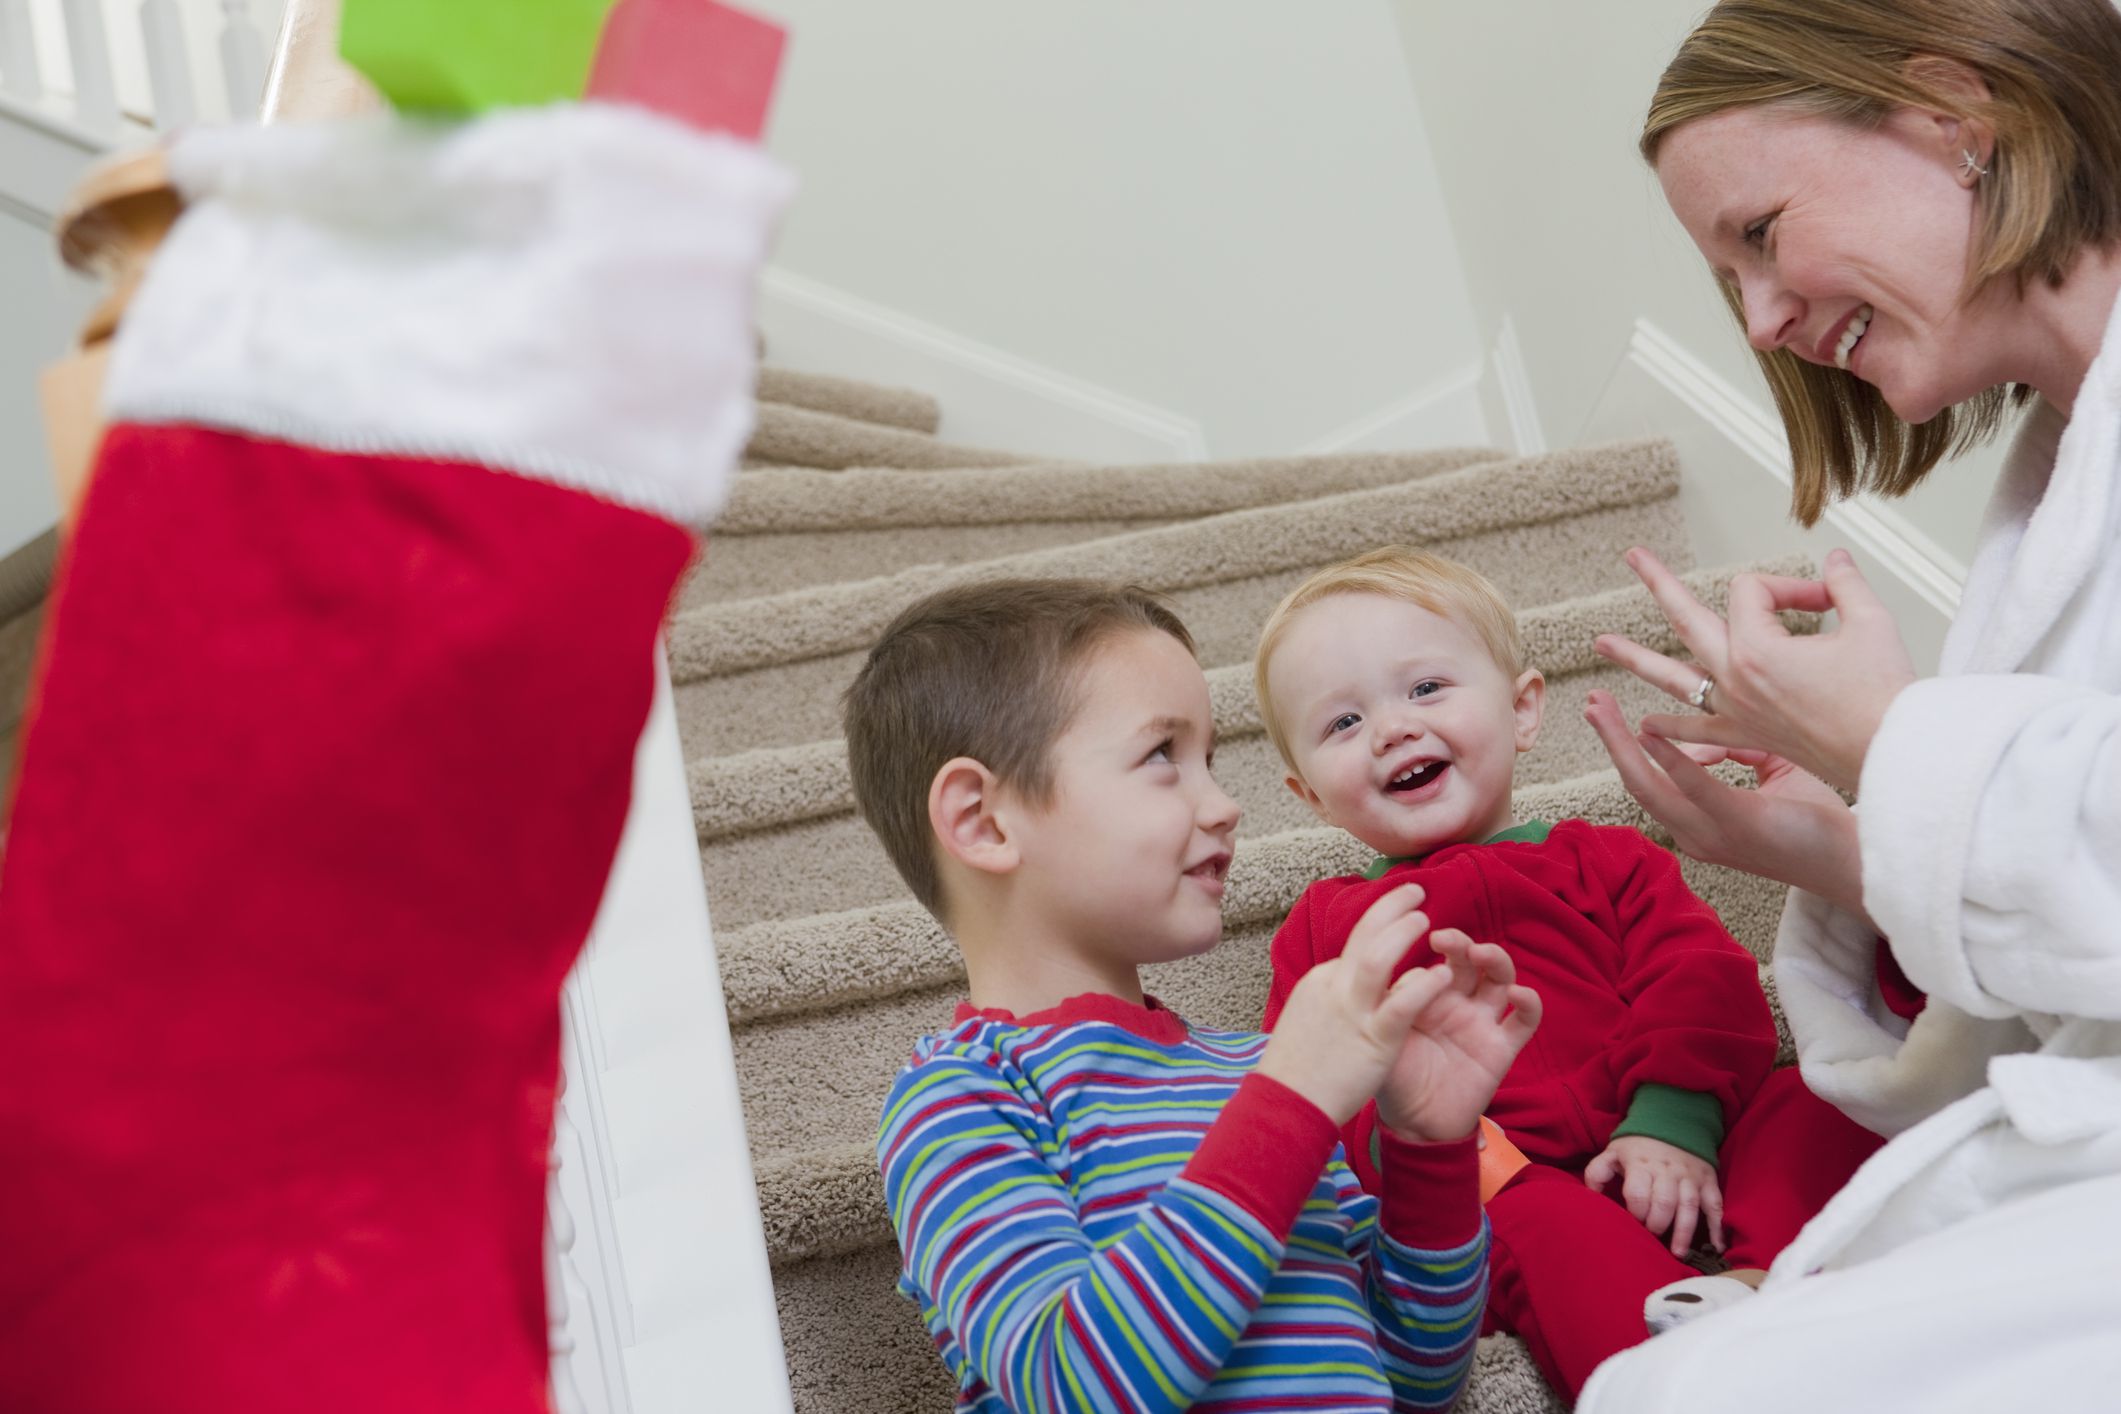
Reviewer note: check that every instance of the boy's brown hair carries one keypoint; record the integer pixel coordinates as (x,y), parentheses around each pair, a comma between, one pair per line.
(989,671)
(1441,586)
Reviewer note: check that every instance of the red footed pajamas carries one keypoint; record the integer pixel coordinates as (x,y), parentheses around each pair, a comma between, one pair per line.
(1642,986)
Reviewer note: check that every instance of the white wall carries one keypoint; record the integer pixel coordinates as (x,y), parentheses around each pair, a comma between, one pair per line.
(1533,110)
(1224,210)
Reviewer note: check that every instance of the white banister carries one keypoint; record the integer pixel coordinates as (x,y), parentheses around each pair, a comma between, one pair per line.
(20,74)
(242,60)
(168,64)
(559,1267)
(95,90)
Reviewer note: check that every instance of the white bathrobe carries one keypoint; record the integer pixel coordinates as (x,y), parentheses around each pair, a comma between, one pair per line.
(1975,1262)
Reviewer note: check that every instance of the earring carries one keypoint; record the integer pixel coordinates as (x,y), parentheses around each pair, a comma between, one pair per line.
(1968,167)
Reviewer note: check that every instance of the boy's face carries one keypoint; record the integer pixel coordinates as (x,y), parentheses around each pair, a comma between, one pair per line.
(1405,731)
(1126,865)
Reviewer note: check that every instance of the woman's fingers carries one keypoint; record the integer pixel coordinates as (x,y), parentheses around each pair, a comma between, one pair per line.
(1689,777)
(1668,675)
(1851,594)
(1644,781)
(1703,731)
(1761,596)
(1697,625)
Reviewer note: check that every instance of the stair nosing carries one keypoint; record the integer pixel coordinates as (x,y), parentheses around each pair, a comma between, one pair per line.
(840,617)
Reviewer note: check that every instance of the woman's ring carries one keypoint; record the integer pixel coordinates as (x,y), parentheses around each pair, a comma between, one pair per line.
(1699,697)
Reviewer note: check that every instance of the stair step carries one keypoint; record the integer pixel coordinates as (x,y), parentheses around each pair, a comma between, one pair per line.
(829,970)
(793,436)
(827,1200)
(845,397)
(780,837)
(827,960)
(775,786)
(1534,526)
(823,1018)
(787,529)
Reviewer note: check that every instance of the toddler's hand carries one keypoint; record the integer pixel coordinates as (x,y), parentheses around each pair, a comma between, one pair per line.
(1461,1044)
(1666,1187)
(1346,1019)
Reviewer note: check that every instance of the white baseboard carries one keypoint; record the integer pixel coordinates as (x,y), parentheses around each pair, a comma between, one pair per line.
(1735,486)
(989,397)
(1446,413)
(1512,393)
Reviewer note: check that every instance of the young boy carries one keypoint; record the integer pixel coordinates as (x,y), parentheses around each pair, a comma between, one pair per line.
(1099,1206)
(1395,687)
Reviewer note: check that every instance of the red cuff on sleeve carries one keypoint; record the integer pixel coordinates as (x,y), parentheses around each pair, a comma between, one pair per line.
(1265,1152)
(1902,998)
(1431,1191)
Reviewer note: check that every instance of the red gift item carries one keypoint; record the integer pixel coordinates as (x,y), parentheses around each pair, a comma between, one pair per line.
(697,61)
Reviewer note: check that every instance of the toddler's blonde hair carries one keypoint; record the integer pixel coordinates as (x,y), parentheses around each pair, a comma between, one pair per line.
(1439,585)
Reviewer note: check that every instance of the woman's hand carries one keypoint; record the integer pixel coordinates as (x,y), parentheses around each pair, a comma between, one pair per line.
(1792,828)
(1815,699)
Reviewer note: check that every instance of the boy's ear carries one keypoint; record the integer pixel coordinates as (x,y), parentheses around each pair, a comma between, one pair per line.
(964,812)
(1530,707)
(1308,796)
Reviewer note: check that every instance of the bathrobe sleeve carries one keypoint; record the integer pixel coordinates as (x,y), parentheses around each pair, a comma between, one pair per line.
(1991,832)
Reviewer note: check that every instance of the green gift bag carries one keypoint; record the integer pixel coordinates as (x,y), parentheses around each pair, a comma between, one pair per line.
(465,56)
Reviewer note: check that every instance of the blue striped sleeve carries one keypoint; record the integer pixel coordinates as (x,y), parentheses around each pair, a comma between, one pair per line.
(1427,1269)
(978,1183)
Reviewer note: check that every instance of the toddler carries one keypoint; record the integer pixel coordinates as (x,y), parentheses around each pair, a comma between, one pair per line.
(1395,687)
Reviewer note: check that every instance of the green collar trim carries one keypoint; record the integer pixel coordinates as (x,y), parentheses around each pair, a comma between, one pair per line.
(1530,832)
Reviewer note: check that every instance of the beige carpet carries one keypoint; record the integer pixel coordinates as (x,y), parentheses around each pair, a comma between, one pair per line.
(830,971)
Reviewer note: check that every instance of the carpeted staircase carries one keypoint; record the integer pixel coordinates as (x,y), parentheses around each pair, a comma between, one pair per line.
(853,508)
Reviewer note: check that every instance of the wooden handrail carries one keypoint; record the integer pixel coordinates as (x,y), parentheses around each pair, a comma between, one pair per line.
(309,81)
(119,212)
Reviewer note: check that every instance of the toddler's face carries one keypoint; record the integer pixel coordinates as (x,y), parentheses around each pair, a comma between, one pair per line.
(1404,729)
(1128,861)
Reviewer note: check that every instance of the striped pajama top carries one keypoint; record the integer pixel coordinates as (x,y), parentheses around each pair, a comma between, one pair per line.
(1100,1208)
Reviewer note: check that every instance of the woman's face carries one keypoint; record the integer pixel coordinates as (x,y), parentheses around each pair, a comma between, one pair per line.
(1849,247)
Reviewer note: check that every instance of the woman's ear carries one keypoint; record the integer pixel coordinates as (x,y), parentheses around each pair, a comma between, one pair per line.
(964,812)
(1966,144)
(1529,707)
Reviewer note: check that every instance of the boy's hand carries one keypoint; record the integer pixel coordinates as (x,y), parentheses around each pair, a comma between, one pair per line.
(1461,1044)
(1346,1020)
(1666,1187)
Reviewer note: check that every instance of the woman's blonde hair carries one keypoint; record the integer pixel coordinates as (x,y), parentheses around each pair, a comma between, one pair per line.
(2053,187)
(1441,586)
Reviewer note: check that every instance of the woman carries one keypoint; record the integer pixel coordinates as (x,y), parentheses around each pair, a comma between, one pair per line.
(1915,207)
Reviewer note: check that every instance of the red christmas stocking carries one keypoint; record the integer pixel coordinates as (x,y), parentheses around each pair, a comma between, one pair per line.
(348,661)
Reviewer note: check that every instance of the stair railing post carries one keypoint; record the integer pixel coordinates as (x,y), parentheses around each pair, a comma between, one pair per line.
(168,64)
(95,90)
(20,74)
(242,60)
(559,1261)
(309,80)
